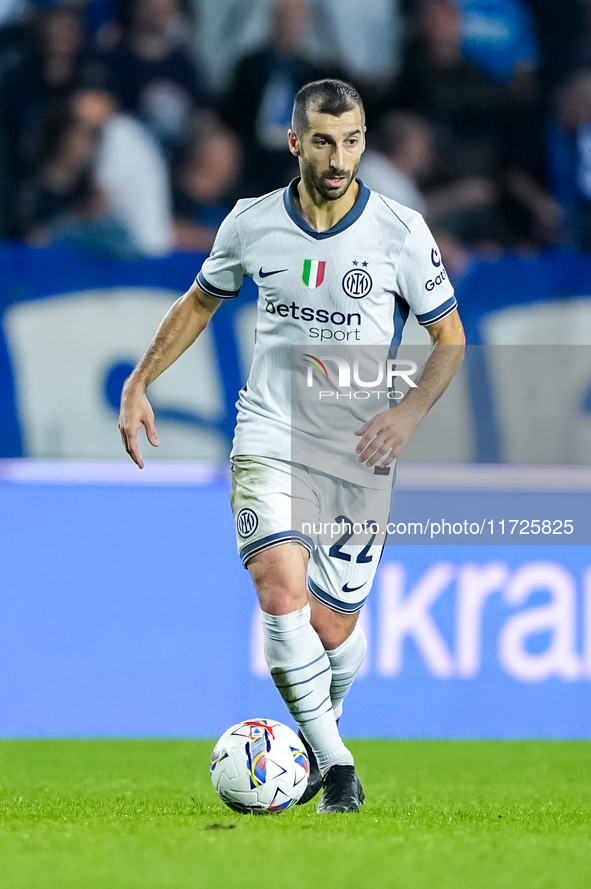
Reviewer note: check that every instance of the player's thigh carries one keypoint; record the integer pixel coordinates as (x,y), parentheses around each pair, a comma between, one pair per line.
(263,492)
(279,575)
(262,496)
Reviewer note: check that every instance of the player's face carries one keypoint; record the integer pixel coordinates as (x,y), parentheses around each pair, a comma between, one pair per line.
(330,152)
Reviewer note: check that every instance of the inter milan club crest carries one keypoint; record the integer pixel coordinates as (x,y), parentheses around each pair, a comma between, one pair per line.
(247,522)
(313,274)
(357,283)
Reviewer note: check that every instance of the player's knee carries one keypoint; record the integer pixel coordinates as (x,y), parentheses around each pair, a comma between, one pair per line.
(280,586)
(277,599)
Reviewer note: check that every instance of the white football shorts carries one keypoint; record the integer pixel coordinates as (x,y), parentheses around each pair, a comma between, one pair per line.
(343,525)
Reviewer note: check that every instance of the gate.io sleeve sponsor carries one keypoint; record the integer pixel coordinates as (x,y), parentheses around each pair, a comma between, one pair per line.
(421,278)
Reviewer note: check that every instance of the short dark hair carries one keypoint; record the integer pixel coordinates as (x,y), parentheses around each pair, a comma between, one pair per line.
(325,97)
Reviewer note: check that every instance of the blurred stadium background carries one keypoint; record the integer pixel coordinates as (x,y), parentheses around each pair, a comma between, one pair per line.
(127,130)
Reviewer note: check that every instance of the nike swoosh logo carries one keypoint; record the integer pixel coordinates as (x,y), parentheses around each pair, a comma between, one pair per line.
(348,589)
(266,274)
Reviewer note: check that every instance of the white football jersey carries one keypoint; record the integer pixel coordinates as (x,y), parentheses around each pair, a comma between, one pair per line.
(351,285)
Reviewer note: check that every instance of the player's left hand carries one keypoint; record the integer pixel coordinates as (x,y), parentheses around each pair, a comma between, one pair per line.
(385,435)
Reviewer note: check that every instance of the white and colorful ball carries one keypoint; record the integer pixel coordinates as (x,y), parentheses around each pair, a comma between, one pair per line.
(259,766)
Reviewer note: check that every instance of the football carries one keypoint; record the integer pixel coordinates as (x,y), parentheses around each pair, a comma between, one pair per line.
(259,766)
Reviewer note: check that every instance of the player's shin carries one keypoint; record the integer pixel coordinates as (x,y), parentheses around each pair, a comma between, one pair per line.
(301,671)
(345,662)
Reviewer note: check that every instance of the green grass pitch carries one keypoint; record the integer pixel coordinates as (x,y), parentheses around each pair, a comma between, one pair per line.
(442,815)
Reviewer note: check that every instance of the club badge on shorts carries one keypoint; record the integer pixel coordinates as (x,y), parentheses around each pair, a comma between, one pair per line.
(247,521)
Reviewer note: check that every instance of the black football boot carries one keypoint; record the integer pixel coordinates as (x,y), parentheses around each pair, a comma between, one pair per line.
(342,791)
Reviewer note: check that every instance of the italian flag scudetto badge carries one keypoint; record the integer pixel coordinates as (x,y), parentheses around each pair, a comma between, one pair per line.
(313,274)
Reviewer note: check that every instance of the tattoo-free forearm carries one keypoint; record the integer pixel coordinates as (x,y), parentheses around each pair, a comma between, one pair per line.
(179,329)
(383,438)
(437,374)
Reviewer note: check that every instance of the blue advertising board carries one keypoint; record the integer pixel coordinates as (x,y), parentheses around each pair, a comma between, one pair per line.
(125,611)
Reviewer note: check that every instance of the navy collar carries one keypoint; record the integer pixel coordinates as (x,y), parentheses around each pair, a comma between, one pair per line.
(344,223)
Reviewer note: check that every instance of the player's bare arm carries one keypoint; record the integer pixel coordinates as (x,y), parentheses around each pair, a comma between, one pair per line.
(384,436)
(180,327)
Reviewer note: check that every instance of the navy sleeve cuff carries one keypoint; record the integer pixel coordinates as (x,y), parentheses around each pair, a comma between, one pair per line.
(212,290)
(440,312)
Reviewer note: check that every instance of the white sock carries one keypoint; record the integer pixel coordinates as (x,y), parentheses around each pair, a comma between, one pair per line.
(345,662)
(301,671)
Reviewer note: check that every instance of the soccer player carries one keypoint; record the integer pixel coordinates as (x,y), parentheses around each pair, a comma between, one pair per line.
(333,259)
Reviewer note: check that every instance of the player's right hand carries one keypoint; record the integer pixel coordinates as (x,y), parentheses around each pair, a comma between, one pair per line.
(136,411)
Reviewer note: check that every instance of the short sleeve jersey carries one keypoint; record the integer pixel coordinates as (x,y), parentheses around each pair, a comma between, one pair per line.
(353,284)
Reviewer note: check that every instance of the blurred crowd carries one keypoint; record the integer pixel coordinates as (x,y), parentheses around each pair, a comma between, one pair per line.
(130,127)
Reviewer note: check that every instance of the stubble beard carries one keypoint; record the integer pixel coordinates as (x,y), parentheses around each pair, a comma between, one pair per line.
(317,181)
